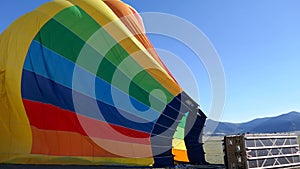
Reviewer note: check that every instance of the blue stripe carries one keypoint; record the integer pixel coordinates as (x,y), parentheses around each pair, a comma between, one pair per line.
(41,89)
(57,68)
(49,64)
(173,109)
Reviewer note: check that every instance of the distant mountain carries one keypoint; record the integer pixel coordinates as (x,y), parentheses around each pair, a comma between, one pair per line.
(283,123)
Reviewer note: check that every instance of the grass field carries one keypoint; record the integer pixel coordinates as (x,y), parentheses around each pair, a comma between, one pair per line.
(214,150)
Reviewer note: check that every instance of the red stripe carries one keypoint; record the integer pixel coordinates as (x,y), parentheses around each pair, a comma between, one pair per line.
(49,117)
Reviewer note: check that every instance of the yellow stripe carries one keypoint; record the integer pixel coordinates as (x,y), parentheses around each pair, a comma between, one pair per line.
(78,160)
(16,137)
(105,17)
(124,149)
(178,144)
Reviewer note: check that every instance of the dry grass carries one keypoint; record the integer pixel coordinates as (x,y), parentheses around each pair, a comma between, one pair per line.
(214,150)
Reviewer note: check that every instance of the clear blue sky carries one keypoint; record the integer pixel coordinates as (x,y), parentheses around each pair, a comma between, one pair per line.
(258,42)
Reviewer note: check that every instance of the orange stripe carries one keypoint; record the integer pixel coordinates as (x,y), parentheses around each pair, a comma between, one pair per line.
(180,155)
(62,143)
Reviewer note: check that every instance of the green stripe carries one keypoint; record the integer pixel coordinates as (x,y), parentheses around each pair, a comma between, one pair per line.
(72,27)
(106,70)
(180,128)
(87,25)
(116,50)
(182,122)
(60,40)
(179,133)
(149,84)
(139,75)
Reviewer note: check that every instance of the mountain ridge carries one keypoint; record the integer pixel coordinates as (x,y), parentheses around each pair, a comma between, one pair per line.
(287,122)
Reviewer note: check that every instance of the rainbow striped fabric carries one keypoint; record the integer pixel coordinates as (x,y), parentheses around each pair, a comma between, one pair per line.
(80,83)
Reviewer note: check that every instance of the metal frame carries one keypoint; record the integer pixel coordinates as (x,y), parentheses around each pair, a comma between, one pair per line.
(253,151)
